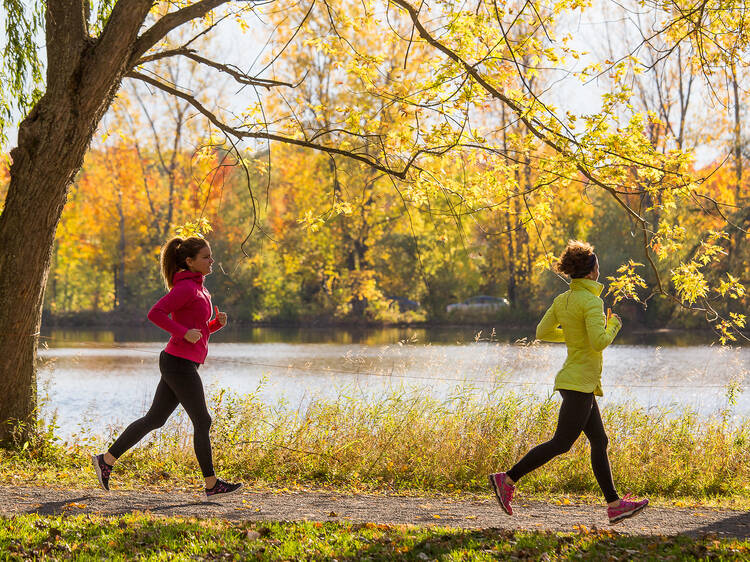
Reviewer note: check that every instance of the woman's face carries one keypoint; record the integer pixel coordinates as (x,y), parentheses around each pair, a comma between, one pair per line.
(594,272)
(202,261)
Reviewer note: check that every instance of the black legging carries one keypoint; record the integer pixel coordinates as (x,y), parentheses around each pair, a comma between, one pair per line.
(180,384)
(579,412)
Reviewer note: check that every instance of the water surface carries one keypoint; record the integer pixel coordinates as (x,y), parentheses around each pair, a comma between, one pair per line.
(99,379)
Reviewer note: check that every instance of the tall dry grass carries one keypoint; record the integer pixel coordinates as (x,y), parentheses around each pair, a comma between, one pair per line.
(406,440)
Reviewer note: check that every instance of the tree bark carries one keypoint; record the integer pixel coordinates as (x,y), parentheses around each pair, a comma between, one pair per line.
(82,78)
(50,150)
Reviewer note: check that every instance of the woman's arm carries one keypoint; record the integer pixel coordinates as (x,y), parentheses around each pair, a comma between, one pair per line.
(548,328)
(175,299)
(600,333)
(219,321)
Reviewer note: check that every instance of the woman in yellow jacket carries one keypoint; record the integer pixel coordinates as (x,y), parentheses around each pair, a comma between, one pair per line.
(576,317)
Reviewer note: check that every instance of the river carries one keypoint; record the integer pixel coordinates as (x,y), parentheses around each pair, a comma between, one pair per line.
(105,378)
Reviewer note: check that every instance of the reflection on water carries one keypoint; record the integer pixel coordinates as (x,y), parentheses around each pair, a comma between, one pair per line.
(366,336)
(110,376)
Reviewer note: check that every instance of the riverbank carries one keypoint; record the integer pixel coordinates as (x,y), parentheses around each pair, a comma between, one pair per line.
(237,332)
(405,441)
(136,319)
(519,322)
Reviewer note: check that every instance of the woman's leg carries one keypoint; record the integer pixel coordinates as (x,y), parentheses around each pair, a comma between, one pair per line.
(183,379)
(617,508)
(574,414)
(161,408)
(596,435)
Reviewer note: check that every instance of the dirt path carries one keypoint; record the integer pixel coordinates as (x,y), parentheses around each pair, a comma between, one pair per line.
(328,506)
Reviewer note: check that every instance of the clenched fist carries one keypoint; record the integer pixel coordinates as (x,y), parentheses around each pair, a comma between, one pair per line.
(193,335)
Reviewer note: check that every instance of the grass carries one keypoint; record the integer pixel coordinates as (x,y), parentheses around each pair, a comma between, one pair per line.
(408,442)
(147,537)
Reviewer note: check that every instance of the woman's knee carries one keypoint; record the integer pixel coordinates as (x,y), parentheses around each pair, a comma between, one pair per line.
(599,442)
(202,422)
(154,422)
(561,446)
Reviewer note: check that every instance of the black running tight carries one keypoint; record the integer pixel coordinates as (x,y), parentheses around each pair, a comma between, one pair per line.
(579,412)
(180,384)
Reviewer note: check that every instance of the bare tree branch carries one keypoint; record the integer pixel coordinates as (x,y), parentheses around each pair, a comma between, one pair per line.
(161,55)
(237,74)
(232,70)
(239,133)
(171,21)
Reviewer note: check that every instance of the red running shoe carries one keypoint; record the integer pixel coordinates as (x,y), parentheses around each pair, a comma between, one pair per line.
(503,491)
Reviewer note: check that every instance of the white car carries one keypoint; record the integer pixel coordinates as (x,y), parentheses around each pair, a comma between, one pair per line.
(481,303)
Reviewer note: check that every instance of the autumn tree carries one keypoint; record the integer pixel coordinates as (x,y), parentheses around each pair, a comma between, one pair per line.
(90,49)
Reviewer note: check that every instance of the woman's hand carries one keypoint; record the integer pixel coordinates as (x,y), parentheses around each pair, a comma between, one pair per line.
(611,314)
(193,335)
(220,316)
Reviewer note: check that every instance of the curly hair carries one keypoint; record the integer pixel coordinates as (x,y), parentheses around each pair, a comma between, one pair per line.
(577,260)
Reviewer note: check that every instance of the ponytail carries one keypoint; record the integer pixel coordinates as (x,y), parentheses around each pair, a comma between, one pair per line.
(175,252)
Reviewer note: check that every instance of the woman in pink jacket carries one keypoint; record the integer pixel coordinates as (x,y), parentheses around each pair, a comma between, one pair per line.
(184,264)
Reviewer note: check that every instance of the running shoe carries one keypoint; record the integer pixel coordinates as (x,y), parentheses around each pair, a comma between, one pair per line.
(503,491)
(627,508)
(222,488)
(102,470)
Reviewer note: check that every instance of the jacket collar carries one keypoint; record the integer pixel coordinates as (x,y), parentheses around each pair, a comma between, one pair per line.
(186,274)
(586,285)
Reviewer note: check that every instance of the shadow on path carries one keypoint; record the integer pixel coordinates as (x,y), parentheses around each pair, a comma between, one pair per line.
(57,507)
(467,514)
(167,507)
(738,525)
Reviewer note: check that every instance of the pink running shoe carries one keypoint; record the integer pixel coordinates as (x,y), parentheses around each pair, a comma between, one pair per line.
(503,491)
(626,509)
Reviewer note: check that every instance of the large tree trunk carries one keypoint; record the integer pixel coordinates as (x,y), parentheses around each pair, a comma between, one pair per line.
(82,78)
(50,150)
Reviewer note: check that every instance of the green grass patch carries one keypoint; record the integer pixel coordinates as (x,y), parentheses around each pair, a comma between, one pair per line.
(409,442)
(147,537)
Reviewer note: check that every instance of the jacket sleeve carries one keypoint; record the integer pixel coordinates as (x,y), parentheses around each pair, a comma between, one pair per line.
(600,335)
(548,328)
(214,325)
(175,299)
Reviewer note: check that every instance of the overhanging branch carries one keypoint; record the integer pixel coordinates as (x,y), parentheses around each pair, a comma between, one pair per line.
(231,70)
(239,133)
(539,130)
(171,21)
